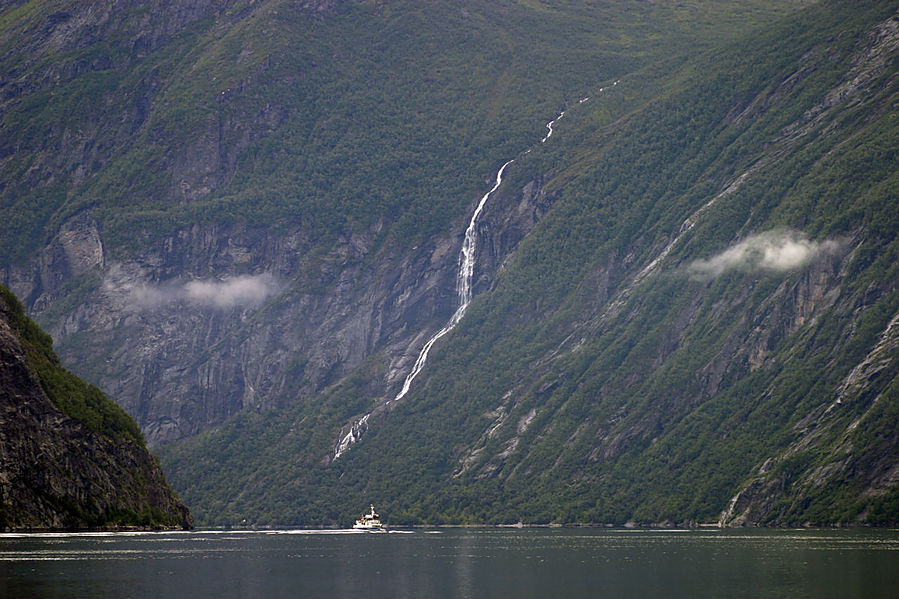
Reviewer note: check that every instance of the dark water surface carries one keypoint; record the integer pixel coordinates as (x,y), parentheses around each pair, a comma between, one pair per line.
(478,563)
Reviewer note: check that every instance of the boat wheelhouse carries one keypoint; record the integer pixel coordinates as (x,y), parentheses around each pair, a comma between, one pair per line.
(370,521)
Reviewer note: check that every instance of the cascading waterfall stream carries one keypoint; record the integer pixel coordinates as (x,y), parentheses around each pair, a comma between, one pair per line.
(463,290)
(463,284)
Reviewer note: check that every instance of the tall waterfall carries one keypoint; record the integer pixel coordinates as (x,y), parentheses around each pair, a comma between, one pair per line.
(463,284)
(463,290)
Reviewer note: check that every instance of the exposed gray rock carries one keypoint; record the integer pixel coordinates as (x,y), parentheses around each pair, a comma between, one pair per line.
(180,364)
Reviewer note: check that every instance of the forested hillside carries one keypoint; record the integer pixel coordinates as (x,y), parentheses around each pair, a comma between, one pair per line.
(702,327)
(221,206)
(244,221)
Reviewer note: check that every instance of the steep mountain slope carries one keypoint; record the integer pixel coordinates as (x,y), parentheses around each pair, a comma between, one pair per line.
(702,327)
(69,457)
(247,213)
(222,206)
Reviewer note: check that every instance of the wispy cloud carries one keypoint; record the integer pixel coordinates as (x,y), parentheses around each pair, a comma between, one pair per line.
(778,251)
(238,291)
(230,292)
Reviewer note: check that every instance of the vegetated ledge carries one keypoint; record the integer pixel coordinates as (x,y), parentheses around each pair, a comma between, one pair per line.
(70,459)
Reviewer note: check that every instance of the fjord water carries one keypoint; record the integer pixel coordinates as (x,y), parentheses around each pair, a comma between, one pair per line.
(477,562)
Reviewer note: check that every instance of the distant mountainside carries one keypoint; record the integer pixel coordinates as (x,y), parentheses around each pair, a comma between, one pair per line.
(69,457)
(222,206)
(244,221)
(702,326)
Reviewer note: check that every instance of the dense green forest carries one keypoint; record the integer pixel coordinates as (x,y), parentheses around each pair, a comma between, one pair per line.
(621,424)
(686,305)
(318,124)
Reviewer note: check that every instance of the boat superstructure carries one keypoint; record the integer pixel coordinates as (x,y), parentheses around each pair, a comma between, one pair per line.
(369,521)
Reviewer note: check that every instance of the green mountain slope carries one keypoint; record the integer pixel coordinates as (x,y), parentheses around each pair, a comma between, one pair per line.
(242,220)
(155,117)
(702,328)
(293,148)
(226,206)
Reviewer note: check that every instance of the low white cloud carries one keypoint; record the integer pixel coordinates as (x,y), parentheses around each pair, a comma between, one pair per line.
(778,251)
(239,291)
(231,292)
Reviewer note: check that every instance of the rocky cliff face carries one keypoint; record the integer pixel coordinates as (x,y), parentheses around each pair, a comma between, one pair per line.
(188,328)
(698,326)
(57,472)
(217,319)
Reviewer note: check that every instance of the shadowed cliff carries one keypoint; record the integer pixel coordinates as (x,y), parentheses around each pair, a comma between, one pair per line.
(74,461)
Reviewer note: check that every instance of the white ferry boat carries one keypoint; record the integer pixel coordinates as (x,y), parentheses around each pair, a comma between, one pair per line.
(370,521)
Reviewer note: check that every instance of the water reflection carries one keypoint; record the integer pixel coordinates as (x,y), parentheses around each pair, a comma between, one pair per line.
(482,563)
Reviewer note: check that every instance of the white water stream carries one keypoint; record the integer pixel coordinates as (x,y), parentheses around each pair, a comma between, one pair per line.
(463,290)
(463,284)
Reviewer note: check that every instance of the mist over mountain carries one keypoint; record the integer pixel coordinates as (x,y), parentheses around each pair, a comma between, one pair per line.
(244,221)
